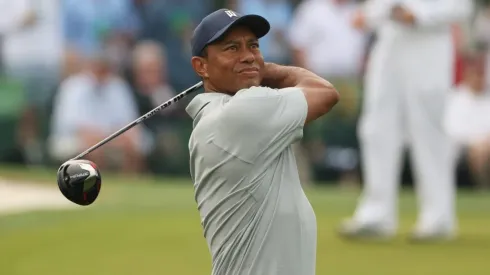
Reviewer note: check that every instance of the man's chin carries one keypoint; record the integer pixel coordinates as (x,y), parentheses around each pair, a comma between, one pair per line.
(250,83)
(245,85)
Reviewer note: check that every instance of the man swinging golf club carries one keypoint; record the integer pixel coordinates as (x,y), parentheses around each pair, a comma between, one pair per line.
(255,215)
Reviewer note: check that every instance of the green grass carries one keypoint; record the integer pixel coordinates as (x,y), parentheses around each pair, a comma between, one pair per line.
(152,226)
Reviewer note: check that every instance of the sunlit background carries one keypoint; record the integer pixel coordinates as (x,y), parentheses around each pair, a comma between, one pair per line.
(145,220)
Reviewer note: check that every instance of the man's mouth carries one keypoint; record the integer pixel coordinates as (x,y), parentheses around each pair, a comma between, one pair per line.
(249,71)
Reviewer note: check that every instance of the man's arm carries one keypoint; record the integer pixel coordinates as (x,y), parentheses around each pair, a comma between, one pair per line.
(320,94)
(268,119)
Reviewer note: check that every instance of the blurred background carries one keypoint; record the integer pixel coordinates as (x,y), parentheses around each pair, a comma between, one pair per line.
(91,66)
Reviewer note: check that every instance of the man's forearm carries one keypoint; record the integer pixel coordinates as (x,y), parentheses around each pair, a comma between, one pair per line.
(320,95)
(279,76)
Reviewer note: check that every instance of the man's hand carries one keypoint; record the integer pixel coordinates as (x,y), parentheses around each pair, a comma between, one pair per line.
(403,15)
(277,76)
(320,94)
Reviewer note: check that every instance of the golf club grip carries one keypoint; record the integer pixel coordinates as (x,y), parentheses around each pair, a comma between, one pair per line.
(140,119)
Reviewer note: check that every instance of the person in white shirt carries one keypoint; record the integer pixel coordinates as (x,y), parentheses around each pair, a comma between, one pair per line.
(408,78)
(150,74)
(90,106)
(31,55)
(151,88)
(32,45)
(467,119)
(35,36)
(323,41)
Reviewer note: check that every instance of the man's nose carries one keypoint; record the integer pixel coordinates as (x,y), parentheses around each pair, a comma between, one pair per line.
(247,56)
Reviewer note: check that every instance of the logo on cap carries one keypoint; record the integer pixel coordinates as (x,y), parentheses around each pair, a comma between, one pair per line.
(231,13)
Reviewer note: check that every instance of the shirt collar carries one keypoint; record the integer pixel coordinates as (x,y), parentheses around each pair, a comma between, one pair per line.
(196,105)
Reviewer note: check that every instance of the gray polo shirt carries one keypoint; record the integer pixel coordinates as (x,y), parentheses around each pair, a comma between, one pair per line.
(256,218)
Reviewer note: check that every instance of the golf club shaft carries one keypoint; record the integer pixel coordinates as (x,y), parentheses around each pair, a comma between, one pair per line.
(142,118)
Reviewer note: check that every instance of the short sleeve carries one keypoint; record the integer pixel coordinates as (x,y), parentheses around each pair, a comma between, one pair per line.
(261,122)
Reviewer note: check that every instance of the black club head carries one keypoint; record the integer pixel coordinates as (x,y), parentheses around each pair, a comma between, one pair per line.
(79,181)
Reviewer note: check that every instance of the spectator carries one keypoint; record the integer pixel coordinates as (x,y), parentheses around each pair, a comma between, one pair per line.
(17,17)
(32,40)
(149,64)
(151,88)
(31,51)
(324,41)
(407,82)
(170,23)
(90,106)
(467,119)
(71,65)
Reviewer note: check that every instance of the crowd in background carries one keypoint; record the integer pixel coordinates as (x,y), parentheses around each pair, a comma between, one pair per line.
(76,71)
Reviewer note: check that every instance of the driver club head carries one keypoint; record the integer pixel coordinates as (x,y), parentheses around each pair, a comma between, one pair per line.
(79,181)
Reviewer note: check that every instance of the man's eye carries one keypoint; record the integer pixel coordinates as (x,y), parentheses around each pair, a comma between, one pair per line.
(255,46)
(232,48)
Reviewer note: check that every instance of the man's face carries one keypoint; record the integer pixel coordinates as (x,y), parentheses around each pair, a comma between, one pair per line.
(101,70)
(233,63)
(148,73)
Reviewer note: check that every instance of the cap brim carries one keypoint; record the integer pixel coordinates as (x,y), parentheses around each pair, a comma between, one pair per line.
(256,23)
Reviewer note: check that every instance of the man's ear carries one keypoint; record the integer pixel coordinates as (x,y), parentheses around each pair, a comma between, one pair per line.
(200,66)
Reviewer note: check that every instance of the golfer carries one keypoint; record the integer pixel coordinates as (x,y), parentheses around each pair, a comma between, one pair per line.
(256,218)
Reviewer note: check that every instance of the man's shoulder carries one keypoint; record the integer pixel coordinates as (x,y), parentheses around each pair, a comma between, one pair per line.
(253,91)
(263,91)
(202,102)
(247,106)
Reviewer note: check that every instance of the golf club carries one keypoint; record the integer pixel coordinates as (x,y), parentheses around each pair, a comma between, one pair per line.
(80,180)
